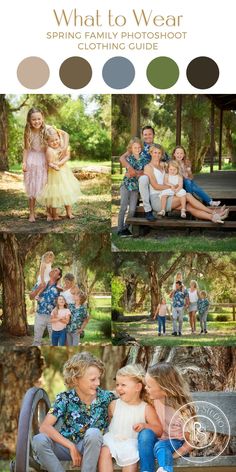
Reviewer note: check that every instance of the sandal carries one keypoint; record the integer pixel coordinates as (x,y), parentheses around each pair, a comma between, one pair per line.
(183,213)
(216,218)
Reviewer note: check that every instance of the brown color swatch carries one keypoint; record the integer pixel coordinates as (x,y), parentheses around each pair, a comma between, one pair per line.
(75,72)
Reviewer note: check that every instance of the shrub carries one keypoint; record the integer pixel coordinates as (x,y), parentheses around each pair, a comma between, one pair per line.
(221,318)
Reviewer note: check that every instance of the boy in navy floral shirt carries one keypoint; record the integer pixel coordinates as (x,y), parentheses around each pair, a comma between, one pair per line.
(83,412)
(129,189)
(203,308)
(79,318)
(180,301)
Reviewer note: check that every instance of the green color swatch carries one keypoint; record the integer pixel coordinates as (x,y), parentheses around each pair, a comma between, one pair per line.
(162,72)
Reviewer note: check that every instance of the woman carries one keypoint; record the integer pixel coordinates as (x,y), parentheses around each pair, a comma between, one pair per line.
(156,174)
(83,411)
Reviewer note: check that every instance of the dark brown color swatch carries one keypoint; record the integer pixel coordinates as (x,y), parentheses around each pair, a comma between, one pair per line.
(202,72)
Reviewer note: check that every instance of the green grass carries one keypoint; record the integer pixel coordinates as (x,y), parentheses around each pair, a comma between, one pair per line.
(167,243)
(5,466)
(17,167)
(219,333)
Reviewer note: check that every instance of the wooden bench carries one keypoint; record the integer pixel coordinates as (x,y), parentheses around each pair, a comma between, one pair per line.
(36,404)
(139,222)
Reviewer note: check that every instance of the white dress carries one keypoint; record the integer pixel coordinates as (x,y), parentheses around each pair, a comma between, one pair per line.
(121,438)
(173,180)
(47,270)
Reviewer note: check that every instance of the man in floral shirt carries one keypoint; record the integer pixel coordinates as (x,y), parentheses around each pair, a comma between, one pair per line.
(47,297)
(180,301)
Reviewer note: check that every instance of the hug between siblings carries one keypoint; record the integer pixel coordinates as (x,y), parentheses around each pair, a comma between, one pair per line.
(48,178)
(148,421)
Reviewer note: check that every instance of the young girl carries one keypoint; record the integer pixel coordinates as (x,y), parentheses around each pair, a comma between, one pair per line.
(179,154)
(130,414)
(34,158)
(203,307)
(79,318)
(161,311)
(62,187)
(193,293)
(178,278)
(167,388)
(59,318)
(175,181)
(45,267)
(129,189)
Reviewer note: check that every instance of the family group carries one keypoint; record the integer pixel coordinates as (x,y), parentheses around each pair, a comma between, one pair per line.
(192,299)
(148,420)
(60,310)
(164,183)
(47,177)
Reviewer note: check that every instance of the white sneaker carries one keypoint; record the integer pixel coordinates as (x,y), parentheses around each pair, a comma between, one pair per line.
(161,469)
(215,203)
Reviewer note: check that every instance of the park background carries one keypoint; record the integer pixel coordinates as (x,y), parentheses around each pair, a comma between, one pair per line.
(208,134)
(86,118)
(88,258)
(140,280)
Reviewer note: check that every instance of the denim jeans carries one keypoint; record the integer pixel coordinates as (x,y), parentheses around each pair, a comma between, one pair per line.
(146,442)
(163,451)
(49,453)
(191,187)
(59,337)
(161,323)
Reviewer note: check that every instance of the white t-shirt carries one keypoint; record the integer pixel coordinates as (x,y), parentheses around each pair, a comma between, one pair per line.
(159,176)
(68,296)
(193,296)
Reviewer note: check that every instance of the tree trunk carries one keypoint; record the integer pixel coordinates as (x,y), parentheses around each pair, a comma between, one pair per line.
(14,308)
(3,134)
(154,284)
(20,369)
(131,283)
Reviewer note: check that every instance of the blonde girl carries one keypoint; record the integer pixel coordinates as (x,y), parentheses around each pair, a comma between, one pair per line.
(34,158)
(177,278)
(193,293)
(130,414)
(59,318)
(169,392)
(45,267)
(62,188)
(179,154)
(174,181)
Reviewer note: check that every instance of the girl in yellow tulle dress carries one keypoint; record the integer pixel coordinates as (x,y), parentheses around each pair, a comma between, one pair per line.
(62,188)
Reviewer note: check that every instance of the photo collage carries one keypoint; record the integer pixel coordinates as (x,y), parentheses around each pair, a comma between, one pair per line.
(117,282)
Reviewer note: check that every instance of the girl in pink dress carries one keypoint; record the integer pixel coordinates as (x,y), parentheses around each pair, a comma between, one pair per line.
(34,157)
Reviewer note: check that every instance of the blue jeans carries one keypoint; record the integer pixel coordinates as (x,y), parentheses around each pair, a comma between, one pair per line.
(59,337)
(191,187)
(163,451)
(146,442)
(161,323)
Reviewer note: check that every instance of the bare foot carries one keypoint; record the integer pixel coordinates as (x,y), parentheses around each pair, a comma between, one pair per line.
(32,218)
(49,218)
(70,216)
(56,218)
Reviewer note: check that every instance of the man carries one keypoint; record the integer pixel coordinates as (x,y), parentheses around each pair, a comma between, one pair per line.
(148,135)
(180,301)
(47,298)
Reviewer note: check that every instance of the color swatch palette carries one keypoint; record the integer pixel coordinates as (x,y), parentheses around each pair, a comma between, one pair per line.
(118,72)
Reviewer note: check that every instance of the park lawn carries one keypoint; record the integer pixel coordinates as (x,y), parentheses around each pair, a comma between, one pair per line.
(17,167)
(145,333)
(184,242)
(92,209)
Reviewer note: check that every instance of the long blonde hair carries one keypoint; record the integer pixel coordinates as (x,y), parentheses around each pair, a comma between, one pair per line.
(176,388)
(28,135)
(137,373)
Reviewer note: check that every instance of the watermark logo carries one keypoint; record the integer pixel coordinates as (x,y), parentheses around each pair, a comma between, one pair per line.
(201,430)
